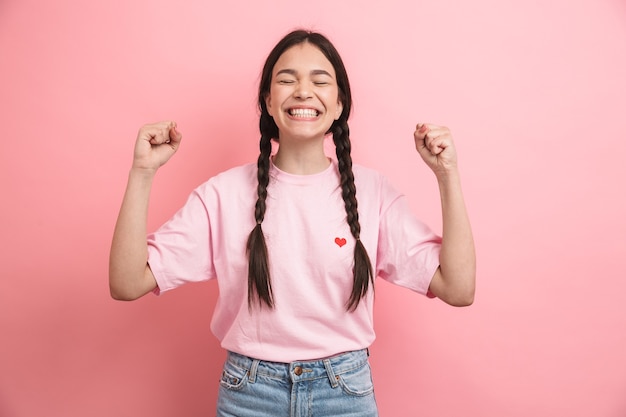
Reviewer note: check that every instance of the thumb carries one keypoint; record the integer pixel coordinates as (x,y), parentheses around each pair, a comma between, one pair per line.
(174,135)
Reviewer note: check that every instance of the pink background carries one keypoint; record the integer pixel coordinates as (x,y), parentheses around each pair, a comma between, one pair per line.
(534,92)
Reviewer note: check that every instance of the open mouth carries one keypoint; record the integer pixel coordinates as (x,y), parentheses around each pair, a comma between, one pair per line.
(303,113)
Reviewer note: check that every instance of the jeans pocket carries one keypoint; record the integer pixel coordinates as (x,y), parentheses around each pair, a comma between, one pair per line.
(233,377)
(357,382)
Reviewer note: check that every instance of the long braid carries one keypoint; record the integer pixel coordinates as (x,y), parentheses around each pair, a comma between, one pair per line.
(259,282)
(362,264)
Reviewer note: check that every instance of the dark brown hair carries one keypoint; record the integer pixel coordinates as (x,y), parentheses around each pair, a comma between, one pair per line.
(259,282)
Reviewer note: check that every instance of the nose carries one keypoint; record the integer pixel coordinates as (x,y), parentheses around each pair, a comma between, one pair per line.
(303,91)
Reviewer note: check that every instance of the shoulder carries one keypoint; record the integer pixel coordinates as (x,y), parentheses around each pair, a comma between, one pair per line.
(366,174)
(367,177)
(240,173)
(233,184)
(236,176)
(371,180)
(374,189)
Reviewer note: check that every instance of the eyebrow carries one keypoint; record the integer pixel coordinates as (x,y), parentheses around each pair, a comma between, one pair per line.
(313,72)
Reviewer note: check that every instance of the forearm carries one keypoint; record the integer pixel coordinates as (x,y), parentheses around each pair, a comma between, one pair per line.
(129,252)
(457,258)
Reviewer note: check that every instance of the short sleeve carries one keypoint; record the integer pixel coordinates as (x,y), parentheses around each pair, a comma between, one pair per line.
(408,250)
(179,251)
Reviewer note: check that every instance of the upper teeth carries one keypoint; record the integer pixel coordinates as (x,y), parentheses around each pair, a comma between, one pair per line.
(303,112)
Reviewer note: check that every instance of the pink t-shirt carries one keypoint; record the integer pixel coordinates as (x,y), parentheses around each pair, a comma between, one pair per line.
(310,256)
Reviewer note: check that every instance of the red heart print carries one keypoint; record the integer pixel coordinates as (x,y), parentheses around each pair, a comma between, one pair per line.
(340,241)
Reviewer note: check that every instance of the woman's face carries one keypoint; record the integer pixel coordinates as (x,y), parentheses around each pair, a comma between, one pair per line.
(304,97)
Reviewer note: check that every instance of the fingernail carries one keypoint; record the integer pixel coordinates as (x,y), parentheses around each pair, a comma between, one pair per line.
(423,129)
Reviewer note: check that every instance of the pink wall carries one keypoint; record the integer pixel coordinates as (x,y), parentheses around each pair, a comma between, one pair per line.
(535,93)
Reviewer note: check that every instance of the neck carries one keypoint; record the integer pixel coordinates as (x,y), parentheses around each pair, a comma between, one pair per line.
(301,159)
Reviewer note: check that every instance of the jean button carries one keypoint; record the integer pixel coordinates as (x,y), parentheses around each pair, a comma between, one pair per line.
(297,370)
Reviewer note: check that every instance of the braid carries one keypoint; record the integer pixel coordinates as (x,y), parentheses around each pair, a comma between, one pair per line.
(259,283)
(362,264)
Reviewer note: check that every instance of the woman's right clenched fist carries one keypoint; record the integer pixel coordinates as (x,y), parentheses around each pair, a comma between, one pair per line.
(156,143)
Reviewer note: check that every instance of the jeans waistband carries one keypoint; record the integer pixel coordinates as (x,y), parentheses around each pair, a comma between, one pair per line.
(329,368)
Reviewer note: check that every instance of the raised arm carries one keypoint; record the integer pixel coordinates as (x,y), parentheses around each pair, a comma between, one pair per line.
(455,279)
(129,274)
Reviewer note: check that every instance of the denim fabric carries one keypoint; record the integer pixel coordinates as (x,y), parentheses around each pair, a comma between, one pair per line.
(339,386)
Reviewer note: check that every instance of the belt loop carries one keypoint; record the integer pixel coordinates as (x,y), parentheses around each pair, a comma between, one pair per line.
(331,374)
(252,371)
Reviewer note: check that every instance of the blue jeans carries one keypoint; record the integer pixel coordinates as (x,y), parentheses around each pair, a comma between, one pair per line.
(339,386)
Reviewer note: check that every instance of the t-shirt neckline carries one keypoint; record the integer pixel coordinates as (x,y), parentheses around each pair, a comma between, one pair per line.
(300,179)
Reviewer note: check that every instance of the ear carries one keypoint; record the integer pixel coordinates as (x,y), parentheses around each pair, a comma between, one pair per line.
(339,109)
(268,104)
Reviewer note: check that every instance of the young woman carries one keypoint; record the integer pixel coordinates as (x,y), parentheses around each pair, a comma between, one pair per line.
(294,251)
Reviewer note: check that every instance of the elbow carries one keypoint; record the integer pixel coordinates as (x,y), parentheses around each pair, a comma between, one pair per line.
(121,293)
(462,300)
(458,298)
(461,295)
(465,297)
(120,296)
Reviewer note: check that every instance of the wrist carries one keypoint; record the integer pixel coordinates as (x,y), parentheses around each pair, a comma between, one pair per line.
(448,175)
(137,171)
(138,175)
